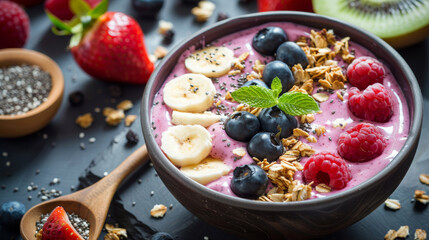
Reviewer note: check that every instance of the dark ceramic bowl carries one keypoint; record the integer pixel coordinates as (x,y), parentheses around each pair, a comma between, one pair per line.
(293,220)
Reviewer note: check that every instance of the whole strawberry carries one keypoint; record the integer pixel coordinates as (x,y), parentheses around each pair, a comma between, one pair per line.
(108,46)
(14,25)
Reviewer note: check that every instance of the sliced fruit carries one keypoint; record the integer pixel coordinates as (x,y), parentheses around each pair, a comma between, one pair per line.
(185,118)
(399,22)
(58,227)
(186,144)
(190,93)
(206,171)
(211,61)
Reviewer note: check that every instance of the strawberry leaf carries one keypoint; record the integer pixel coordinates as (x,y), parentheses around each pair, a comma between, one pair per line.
(79,7)
(75,39)
(297,103)
(99,10)
(64,28)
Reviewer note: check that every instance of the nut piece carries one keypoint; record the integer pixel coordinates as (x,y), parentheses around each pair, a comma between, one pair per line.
(323,188)
(125,105)
(420,234)
(424,178)
(203,11)
(107,111)
(130,119)
(158,211)
(115,117)
(160,52)
(403,232)
(164,26)
(391,235)
(115,233)
(320,130)
(85,120)
(298,132)
(321,97)
(420,196)
(393,204)
(239,152)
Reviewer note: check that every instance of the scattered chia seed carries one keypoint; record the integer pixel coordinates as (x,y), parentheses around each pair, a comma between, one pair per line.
(168,37)
(133,204)
(132,137)
(23,88)
(105,173)
(82,146)
(7,164)
(72,188)
(81,225)
(171,206)
(45,136)
(330,139)
(76,98)
(55,181)
(81,135)
(3,186)
(92,140)
(15,189)
(29,198)
(37,171)
(4,154)
(139,181)
(152,193)
(333,112)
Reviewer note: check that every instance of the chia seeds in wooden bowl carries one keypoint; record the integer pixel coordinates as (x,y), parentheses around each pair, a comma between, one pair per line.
(23,88)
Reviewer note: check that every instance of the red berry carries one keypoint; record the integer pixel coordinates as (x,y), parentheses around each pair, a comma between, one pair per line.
(365,71)
(114,50)
(14,25)
(374,104)
(58,227)
(61,9)
(327,168)
(361,143)
(291,5)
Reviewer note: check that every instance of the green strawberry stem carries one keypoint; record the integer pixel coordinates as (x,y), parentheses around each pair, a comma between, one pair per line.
(84,18)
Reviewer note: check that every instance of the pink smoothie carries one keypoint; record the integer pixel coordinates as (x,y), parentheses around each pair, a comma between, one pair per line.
(395,131)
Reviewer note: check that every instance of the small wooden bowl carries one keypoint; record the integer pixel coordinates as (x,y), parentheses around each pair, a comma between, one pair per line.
(33,120)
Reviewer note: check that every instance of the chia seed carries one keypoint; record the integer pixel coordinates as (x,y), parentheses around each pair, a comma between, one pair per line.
(81,225)
(23,88)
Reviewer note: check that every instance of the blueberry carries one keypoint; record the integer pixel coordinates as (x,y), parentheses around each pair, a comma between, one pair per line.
(265,145)
(161,236)
(291,54)
(281,70)
(242,126)
(11,213)
(148,8)
(272,119)
(76,98)
(255,82)
(268,39)
(249,181)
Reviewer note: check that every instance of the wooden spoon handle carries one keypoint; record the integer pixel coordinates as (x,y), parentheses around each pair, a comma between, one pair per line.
(101,193)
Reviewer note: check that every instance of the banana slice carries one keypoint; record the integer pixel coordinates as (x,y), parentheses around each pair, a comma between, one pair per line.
(211,61)
(186,144)
(205,119)
(190,93)
(206,171)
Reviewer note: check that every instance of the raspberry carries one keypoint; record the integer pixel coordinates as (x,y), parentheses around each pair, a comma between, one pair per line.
(365,71)
(361,143)
(327,168)
(14,25)
(374,104)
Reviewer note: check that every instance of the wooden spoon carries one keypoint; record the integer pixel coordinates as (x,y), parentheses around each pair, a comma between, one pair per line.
(91,203)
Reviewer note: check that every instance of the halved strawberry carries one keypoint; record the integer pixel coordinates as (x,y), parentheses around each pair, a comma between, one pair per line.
(108,46)
(279,5)
(58,227)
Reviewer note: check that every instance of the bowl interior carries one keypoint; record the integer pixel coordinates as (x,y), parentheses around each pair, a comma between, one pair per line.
(18,56)
(378,47)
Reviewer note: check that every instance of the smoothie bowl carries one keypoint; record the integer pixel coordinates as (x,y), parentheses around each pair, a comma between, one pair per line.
(321,142)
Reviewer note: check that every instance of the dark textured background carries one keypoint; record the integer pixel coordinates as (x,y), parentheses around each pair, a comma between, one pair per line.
(77,167)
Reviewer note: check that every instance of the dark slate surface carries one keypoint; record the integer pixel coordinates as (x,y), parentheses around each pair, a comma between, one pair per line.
(60,155)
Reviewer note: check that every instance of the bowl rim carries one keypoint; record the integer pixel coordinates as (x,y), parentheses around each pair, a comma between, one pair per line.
(31,57)
(412,139)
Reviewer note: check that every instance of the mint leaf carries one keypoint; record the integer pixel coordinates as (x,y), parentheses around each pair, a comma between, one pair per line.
(276,86)
(297,103)
(255,96)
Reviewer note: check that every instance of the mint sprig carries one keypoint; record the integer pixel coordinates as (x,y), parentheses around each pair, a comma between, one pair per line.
(292,103)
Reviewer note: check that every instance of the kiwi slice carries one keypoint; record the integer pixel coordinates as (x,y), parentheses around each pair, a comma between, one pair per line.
(399,22)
